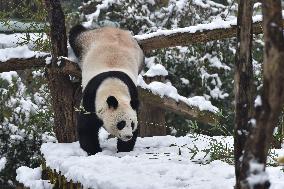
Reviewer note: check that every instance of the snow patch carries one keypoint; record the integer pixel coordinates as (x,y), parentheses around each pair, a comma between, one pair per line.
(32,178)
(19,52)
(156,70)
(3,162)
(184,81)
(257,101)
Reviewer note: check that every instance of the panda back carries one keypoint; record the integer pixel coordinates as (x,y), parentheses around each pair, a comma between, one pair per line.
(110,49)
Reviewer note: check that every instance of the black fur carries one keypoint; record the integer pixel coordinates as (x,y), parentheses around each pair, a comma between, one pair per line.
(128,145)
(73,34)
(134,104)
(112,102)
(89,124)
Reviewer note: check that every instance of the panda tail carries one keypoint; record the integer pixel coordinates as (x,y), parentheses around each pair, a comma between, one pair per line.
(73,34)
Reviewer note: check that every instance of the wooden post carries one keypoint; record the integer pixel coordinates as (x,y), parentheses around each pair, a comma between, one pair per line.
(243,83)
(151,118)
(65,94)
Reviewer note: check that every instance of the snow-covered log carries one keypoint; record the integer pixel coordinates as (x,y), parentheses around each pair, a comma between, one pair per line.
(66,66)
(179,107)
(186,36)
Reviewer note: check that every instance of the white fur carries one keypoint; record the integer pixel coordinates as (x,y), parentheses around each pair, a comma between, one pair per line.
(110,49)
(124,111)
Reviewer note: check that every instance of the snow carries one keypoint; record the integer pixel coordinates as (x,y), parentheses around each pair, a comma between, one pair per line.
(257,174)
(215,62)
(13,40)
(32,178)
(94,16)
(166,89)
(156,70)
(217,23)
(184,81)
(257,101)
(19,52)
(11,26)
(157,162)
(3,162)
(8,76)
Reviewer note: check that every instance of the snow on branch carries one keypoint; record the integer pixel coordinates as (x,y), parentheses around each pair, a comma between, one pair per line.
(216,30)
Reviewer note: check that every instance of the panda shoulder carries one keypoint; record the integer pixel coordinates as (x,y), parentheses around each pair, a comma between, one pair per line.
(74,33)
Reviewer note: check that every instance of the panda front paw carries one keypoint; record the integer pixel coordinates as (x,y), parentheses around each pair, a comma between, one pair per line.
(94,151)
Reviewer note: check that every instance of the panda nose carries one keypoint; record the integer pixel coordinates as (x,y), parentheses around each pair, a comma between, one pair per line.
(128,137)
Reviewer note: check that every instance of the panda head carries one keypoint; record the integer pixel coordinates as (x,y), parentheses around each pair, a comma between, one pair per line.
(119,116)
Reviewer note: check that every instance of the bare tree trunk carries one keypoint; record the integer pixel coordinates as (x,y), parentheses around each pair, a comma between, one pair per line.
(244,93)
(257,145)
(65,94)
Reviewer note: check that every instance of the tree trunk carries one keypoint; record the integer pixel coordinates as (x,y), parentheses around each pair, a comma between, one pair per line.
(65,94)
(257,145)
(244,90)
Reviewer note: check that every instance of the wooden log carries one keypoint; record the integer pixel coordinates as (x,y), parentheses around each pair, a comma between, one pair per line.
(22,64)
(152,120)
(180,107)
(187,38)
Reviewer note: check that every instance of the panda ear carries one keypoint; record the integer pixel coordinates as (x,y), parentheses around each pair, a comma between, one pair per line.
(112,102)
(135,104)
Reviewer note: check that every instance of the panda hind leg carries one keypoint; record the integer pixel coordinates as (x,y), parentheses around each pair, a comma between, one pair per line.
(127,146)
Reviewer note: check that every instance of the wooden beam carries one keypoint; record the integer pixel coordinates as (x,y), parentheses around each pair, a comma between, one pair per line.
(22,64)
(66,66)
(180,107)
(187,38)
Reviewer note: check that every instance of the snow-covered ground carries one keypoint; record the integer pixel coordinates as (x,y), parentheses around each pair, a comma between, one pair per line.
(166,162)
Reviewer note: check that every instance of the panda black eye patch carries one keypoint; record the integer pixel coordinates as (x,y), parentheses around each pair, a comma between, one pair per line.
(112,102)
(121,125)
(132,125)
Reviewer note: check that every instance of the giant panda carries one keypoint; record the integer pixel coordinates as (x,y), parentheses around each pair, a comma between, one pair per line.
(110,59)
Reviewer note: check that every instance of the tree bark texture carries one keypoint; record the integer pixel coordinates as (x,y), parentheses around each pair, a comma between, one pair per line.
(266,115)
(243,82)
(21,64)
(152,120)
(65,94)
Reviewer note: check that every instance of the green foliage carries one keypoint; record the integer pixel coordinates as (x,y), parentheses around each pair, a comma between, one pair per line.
(25,121)
(217,150)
